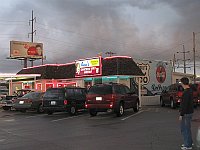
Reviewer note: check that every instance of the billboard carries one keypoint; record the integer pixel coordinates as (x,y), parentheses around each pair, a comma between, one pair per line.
(88,67)
(19,49)
(157,76)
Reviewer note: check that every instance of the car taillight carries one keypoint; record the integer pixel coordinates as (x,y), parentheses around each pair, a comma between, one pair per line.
(111,104)
(199,101)
(113,97)
(29,101)
(86,106)
(179,100)
(65,102)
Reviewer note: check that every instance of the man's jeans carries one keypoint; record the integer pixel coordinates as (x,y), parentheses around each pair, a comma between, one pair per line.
(186,130)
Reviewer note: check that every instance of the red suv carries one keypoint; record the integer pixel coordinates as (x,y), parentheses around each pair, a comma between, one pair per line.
(111,96)
(172,95)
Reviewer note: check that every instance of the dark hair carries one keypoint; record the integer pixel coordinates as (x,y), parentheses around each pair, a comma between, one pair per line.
(38,46)
(185,81)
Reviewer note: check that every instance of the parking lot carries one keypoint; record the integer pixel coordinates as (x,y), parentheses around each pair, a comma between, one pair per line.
(152,128)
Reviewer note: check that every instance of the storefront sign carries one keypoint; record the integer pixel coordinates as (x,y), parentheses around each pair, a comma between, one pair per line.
(88,67)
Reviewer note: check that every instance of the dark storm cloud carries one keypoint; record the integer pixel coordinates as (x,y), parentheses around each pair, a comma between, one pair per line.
(73,29)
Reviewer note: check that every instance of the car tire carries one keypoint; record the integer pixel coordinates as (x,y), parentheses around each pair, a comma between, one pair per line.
(162,104)
(172,104)
(120,110)
(195,105)
(137,107)
(73,110)
(6,108)
(40,109)
(49,112)
(92,112)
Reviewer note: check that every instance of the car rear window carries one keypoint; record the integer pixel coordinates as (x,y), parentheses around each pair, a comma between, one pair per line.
(100,89)
(180,88)
(194,87)
(54,93)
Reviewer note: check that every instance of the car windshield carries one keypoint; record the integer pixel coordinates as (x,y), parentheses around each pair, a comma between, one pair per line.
(100,89)
(54,93)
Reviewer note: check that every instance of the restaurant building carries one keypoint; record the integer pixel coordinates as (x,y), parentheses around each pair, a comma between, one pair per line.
(82,73)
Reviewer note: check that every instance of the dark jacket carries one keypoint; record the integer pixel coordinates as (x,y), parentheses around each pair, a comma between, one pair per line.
(186,106)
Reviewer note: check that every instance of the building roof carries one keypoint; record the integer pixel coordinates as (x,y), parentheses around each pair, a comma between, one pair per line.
(52,71)
(120,66)
(117,65)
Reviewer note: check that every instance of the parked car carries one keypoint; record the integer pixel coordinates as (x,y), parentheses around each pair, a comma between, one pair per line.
(3,92)
(69,99)
(111,96)
(173,94)
(196,94)
(7,102)
(30,101)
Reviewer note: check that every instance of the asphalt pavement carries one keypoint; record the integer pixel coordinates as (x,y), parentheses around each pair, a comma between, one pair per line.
(152,128)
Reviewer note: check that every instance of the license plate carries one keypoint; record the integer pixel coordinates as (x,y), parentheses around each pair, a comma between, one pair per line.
(53,102)
(98,98)
(21,102)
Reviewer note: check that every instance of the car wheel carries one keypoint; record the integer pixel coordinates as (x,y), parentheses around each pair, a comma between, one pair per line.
(172,104)
(6,108)
(137,107)
(40,109)
(120,110)
(73,110)
(195,105)
(162,104)
(92,112)
(49,112)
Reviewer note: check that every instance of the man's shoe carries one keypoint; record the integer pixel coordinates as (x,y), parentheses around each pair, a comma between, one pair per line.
(184,145)
(186,148)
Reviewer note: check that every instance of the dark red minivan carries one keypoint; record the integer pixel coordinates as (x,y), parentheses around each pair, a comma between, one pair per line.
(111,96)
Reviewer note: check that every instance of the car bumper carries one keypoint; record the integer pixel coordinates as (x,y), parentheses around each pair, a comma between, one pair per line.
(24,106)
(6,105)
(103,107)
(54,109)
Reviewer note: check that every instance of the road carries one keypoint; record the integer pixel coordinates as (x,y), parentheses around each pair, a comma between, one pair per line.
(152,128)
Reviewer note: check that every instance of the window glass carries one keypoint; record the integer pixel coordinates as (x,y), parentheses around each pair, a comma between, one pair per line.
(29,95)
(123,90)
(180,88)
(127,89)
(78,92)
(100,89)
(69,92)
(117,89)
(54,93)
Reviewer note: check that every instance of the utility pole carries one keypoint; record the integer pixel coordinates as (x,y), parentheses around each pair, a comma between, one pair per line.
(32,32)
(174,62)
(194,55)
(184,65)
(184,58)
(110,53)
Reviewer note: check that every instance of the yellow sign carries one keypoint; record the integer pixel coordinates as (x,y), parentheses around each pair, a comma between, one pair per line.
(94,62)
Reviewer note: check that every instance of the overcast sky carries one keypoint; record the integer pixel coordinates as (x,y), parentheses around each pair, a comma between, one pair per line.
(74,29)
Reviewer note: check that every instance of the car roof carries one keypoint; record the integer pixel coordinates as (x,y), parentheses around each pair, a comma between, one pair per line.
(63,88)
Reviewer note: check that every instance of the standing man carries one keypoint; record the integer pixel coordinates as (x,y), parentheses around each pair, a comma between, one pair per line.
(186,111)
